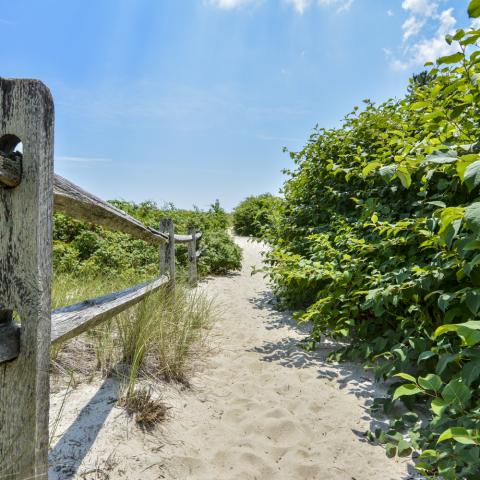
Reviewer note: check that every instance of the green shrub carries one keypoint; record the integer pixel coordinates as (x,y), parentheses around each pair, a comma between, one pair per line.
(90,250)
(219,255)
(378,243)
(255,213)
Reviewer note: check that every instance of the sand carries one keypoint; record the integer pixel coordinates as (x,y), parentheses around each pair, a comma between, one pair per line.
(260,408)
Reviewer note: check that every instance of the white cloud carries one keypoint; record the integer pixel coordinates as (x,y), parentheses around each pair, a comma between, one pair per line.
(426,8)
(230,4)
(447,22)
(429,49)
(345,6)
(412,27)
(342,5)
(299,5)
(423,14)
(390,13)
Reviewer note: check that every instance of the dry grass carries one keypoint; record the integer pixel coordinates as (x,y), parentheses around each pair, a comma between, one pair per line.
(162,337)
(142,404)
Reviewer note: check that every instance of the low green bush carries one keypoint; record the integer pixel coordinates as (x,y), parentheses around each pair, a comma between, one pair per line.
(255,213)
(378,244)
(86,249)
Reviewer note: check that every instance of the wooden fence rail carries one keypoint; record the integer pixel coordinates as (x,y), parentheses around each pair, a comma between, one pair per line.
(29,193)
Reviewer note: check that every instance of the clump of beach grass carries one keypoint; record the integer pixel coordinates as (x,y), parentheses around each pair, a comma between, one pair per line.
(163,337)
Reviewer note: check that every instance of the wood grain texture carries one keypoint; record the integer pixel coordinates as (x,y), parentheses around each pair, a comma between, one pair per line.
(192,257)
(10,170)
(167,252)
(187,238)
(76,202)
(26,115)
(68,322)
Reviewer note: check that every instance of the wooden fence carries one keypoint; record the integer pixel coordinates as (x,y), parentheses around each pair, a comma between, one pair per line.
(29,193)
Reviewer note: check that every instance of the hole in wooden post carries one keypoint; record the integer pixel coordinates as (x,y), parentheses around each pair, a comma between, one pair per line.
(11,154)
(9,335)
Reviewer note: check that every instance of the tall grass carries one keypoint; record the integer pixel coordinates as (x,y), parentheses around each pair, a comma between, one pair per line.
(161,337)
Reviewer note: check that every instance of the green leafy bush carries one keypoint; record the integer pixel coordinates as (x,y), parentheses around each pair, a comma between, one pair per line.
(255,213)
(378,243)
(85,249)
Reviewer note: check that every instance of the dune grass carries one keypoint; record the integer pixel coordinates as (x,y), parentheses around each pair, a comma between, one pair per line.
(160,338)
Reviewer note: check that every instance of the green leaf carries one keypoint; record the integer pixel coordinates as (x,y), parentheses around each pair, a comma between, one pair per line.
(425,356)
(444,360)
(404,175)
(456,392)
(406,390)
(449,59)
(387,172)
(469,332)
(404,449)
(437,203)
(438,406)
(474,9)
(440,159)
(472,324)
(418,105)
(406,376)
(463,162)
(451,214)
(369,168)
(391,450)
(473,301)
(459,434)
(471,372)
(472,216)
(430,382)
(472,175)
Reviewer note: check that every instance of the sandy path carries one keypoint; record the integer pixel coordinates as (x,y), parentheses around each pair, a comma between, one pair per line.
(261,409)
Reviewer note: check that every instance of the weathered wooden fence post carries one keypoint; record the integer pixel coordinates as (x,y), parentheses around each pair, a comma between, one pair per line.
(192,257)
(167,252)
(26,115)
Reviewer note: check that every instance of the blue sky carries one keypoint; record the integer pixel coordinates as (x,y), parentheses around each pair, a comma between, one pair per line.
(187,101)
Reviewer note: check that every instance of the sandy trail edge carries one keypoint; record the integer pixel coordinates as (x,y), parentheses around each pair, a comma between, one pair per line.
(260,409)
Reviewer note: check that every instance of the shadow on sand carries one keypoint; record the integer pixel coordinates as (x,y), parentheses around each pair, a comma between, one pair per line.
(68,453)
(350,377)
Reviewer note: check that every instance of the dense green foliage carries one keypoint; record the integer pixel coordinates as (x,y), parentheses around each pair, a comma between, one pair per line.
(378,243)
(255,213)
(86,249)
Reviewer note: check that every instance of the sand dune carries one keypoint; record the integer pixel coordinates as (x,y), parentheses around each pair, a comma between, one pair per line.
(261,408)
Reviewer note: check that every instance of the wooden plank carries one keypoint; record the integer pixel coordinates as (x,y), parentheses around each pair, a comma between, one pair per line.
(76,202)
(26,115)
(82,205)
(187,238)
(167,252)
(10,170)
(192,257)
(69,322)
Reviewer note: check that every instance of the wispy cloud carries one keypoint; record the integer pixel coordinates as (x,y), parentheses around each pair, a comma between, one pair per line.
(418,48)
(340,5)
(82,159)
(4,21)
(231,4)
(300,6)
